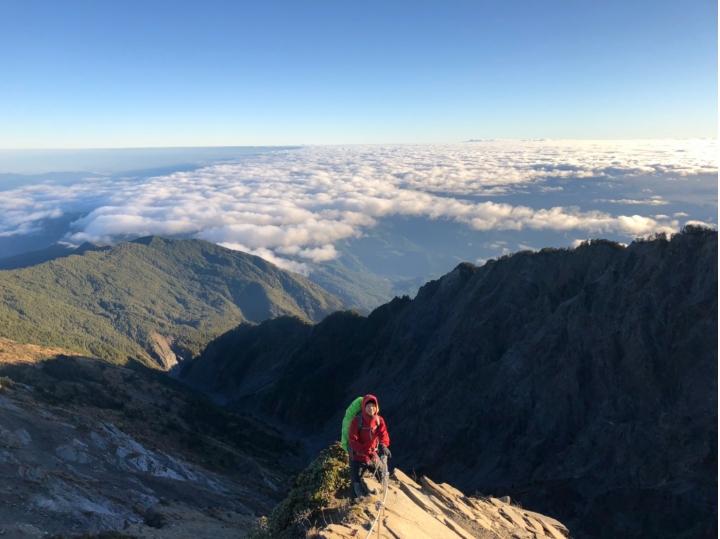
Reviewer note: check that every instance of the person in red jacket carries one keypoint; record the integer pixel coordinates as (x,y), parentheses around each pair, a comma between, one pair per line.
(368,439)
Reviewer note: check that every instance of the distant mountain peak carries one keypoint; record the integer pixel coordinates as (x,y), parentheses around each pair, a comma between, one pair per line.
(117,304)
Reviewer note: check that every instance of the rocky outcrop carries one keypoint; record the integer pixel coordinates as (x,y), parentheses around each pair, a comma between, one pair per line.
(438,511)
(162,351)
(581,382)
(86,447)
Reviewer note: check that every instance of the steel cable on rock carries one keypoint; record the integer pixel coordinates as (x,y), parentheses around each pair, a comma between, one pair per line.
(380,506)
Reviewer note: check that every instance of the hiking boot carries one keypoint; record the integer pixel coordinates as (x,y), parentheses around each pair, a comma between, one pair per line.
(358,491)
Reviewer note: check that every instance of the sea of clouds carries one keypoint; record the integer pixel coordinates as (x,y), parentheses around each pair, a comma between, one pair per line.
(296,205)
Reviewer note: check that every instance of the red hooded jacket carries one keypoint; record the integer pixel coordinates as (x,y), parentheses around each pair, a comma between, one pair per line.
(364,442)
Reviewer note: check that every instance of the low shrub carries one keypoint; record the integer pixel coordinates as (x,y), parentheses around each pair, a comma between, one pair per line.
(312,490)
(7,382)
(98,535)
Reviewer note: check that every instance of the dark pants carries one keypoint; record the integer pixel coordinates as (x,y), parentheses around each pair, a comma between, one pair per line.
(356,471)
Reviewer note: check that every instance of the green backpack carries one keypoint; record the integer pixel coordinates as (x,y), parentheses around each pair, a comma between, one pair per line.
(350,413)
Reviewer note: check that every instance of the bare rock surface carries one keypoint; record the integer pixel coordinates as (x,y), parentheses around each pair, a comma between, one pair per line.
(432,511)
(162,349)
(89,447)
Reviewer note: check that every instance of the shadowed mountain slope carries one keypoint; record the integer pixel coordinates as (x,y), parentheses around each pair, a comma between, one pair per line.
(89,446)
(33,258)
(153,299)
(55,251)
(582,382)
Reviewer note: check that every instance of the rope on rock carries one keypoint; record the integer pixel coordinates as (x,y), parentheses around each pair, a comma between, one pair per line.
(380,506)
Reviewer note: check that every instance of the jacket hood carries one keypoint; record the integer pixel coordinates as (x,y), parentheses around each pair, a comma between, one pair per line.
(366,399)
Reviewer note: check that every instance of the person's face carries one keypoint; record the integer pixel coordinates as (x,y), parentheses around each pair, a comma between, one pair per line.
(371,409)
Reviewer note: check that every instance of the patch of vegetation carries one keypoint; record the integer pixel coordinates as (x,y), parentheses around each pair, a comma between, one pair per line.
(312,490)
(616,246)
(7,382)
(111,303)
(697,230)
(62,380)
(602,241)
(221,440)
(687,230)
(155,520)
(98,535)
(527,253)
(657,237)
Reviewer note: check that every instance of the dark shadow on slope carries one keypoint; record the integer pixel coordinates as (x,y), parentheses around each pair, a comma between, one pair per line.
(571,377)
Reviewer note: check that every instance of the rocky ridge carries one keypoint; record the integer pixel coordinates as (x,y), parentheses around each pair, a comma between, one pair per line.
(439,511)
(581,382)
(318,507)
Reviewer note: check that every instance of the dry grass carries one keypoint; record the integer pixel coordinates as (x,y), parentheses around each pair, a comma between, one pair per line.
(14,352)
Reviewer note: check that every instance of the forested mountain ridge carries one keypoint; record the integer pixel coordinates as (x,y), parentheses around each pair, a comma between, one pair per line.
(150,299)
(582,382)
(345,277)
(33,258)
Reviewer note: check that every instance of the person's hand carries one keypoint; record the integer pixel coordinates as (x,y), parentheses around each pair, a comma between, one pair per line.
(384,451)
(375,459)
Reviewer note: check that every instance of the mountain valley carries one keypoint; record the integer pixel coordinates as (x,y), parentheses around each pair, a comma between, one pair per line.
(581,382)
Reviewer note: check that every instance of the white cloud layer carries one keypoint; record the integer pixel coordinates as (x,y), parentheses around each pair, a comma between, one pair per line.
(654,201)
(300,203)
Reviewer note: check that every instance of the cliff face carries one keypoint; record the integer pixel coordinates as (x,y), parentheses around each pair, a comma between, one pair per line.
(583,383)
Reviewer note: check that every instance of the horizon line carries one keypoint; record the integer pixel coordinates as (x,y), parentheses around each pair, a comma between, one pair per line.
(305,145)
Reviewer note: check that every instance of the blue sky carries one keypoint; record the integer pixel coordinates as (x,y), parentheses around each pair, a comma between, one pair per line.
(144,74)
